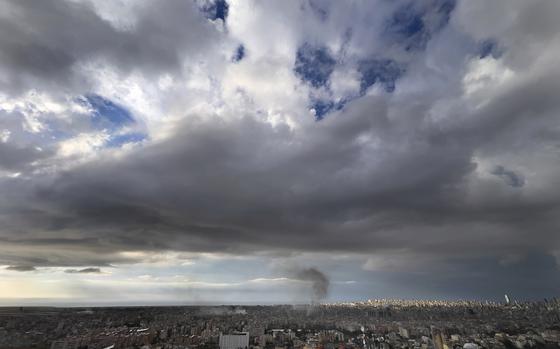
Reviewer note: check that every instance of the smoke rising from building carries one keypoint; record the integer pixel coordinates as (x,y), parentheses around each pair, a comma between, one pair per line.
(319,282)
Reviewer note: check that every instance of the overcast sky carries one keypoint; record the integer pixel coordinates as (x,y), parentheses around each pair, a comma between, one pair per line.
(204,151)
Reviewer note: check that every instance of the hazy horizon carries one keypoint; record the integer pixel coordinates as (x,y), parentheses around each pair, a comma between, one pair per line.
(46,303)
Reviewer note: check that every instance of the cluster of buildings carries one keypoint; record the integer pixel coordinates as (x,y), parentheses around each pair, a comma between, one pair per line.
(361,325)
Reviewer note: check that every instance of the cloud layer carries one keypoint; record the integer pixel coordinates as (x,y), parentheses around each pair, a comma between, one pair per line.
(419,138)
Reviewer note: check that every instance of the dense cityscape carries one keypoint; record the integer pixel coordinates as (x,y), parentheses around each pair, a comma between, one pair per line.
(369,325)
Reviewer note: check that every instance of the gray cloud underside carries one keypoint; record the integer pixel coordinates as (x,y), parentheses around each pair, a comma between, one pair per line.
(21,268)
(43,44)
(380,175)
(83,271)
(243,185)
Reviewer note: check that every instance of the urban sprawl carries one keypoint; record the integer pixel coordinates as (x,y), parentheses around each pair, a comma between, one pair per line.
(358,325)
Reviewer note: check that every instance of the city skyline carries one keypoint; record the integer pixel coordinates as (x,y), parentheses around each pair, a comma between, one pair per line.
(278,152)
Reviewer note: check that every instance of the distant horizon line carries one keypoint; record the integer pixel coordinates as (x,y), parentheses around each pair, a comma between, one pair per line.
(48,303)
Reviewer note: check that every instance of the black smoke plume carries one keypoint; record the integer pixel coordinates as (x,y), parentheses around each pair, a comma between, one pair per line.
(319,282)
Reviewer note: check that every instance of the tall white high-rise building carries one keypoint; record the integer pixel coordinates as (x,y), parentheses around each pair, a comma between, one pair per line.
(235,340)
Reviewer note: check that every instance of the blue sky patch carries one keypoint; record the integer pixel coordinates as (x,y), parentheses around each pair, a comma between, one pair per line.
(444,8)
(407,22)
(214,9)
(107,114)
(239,53)
(413,24)
(489,47)
(323,107)
(314,65)
(373,71)
(384,71)
(116,141)
(407,27)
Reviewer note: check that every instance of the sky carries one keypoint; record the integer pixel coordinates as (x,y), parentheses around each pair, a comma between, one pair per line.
(243,151)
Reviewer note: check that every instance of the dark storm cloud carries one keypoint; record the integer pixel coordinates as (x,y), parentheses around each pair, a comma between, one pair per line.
(532,277)
(21,268)
(14,157)
(225,189)
(18,151)
(83,271)
(222,190)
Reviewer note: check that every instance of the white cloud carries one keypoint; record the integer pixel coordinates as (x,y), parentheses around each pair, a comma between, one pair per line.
(484,76)
(5,135)
(84,144)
